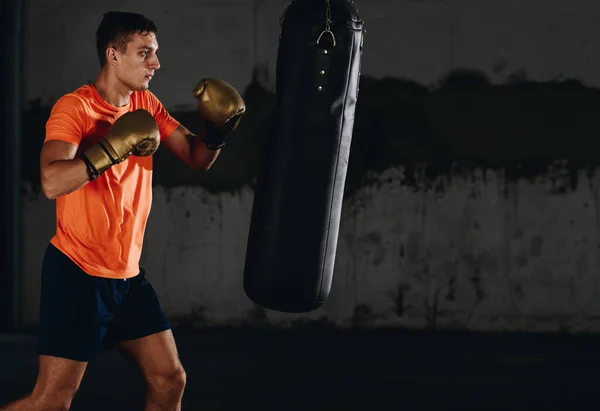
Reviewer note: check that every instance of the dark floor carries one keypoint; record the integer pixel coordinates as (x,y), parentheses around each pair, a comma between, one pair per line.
(344,371)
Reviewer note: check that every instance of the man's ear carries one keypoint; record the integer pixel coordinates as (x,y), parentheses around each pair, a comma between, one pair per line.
(111,55)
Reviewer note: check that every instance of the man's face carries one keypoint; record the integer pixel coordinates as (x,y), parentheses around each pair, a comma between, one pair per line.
(137,65)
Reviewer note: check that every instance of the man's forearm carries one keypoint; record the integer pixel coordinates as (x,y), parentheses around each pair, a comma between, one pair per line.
(63,177)
(202,156)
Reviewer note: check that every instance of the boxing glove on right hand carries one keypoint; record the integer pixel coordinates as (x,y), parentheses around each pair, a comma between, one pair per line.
(133,133)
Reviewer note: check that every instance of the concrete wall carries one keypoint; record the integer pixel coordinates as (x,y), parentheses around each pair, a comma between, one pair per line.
(472,194)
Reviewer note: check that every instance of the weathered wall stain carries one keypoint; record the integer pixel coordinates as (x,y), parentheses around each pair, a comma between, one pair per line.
(464,123)
(536,246)
(400,299)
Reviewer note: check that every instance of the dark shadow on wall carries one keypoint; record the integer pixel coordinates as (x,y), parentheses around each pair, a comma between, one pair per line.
(463,123)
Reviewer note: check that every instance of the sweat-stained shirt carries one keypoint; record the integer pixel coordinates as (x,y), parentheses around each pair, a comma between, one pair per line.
(101,225)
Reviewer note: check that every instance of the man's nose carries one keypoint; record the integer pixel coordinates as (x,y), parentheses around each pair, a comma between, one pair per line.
(155,63)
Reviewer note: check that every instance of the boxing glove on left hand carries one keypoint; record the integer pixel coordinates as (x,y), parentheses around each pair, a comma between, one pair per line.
(133,133)
(221,106)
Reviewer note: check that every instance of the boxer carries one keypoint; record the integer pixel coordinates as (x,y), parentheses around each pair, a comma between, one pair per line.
(96,164)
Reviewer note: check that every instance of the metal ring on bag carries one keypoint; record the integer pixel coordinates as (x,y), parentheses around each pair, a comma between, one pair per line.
(326,31)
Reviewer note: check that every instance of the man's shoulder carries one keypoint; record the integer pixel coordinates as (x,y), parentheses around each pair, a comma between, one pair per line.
(76,97)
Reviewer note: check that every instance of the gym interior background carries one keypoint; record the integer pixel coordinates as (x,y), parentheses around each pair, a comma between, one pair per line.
(472,196)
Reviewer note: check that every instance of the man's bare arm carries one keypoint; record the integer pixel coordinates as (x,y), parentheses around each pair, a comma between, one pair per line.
(190,149)
(61,173)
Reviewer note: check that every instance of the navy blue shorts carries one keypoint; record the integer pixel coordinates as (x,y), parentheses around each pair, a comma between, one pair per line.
(80,314)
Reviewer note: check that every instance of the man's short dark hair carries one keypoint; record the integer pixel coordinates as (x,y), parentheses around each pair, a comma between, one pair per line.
(116,28)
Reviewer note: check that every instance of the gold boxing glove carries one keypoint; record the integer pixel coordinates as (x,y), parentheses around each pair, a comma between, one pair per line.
(221,106)
(133,133)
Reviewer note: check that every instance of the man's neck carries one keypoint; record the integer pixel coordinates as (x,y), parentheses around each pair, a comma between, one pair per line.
(112,90)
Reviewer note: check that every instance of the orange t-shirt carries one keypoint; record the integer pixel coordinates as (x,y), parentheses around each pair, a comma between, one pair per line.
(101,225)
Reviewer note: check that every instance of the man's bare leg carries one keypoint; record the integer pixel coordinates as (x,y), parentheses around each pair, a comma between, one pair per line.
(157,359)
(57,383)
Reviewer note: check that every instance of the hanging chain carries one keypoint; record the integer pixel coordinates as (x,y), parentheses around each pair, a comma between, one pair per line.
(328,15)
(327,23)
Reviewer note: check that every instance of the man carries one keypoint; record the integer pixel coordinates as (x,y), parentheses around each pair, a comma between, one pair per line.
(96,162)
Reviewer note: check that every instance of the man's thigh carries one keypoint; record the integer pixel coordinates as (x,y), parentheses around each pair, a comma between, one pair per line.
(142,332)
(155,355)
(72,313)
(139,316)
(58,377)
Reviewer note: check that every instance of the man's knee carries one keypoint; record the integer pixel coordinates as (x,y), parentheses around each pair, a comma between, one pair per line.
(180,379)
(171,383)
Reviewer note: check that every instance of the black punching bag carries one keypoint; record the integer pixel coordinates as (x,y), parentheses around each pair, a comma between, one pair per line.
(297,206)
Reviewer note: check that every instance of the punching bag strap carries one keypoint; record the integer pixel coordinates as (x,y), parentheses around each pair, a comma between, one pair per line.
(324,53)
